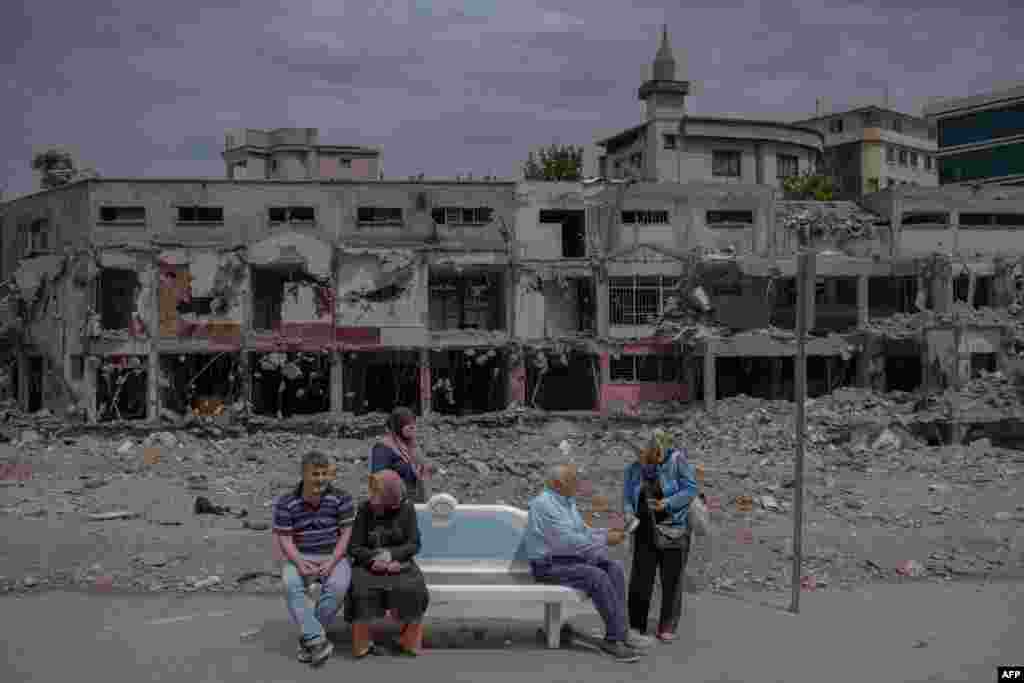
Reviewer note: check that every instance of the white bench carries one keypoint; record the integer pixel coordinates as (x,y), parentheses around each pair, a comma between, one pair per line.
(475,553)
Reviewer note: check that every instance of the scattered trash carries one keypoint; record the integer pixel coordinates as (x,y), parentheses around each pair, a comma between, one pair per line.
(107,516)
(911,568)
(208,582)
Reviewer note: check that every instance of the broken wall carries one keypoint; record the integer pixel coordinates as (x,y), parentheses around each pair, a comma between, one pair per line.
(293,273)
(382,297)
(551,303)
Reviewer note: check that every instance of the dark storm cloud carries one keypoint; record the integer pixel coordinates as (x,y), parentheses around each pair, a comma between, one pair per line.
(456,86)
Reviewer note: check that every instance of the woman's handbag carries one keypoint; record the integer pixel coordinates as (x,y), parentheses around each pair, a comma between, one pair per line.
(666,536)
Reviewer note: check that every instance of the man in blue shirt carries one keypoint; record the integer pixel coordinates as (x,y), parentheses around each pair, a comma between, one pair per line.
(563,550)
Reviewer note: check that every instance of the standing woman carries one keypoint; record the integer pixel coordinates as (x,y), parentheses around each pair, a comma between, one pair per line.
(385,577)
(657,493)
(397,451)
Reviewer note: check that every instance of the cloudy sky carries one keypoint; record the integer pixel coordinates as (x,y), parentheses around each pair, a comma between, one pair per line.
(446,87)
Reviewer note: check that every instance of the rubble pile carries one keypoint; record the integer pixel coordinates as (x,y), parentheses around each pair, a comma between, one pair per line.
(190,509)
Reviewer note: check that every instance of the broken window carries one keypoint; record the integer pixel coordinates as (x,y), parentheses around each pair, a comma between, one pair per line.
(639,300)
(786,165)
(983,362)
(725,163)
(292,214)
(835,126)
(653,368)
(455,215)
(670,140)
(470,302)
(346,163)
(38,236)
(574,237)
(903,157)
(645,217)
(375,215)
(196,305)
(923,218)
(121,388)
(116,296)
(982,291)
(202,383)
(718,218)
(889,295)
(268,292)
(122,214)
(286,384)
(200,214)
(77,367)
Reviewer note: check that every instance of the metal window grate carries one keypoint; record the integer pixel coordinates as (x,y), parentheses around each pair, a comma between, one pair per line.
(646,368)
(639,300)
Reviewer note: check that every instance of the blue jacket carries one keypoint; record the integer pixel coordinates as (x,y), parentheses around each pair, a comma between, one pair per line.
(678,481)
(556,529)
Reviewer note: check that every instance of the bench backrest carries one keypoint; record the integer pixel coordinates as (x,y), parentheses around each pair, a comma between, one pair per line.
(473,532)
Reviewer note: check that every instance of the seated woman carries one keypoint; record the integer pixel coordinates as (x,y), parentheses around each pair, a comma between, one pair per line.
(385,577)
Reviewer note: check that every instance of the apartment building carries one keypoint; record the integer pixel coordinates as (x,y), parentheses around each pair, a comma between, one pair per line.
(670,146)
(872,148)
(981,138)
(295,154)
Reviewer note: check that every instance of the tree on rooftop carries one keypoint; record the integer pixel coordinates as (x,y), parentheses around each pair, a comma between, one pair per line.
(556,162)
(57,167)
(809,186)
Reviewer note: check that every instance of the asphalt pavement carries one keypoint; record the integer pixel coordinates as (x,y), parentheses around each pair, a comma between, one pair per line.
(887,634)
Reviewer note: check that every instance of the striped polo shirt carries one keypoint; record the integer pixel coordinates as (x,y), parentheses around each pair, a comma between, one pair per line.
(315,530)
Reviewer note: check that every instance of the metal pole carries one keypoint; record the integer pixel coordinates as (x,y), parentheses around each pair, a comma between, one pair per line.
(805,289)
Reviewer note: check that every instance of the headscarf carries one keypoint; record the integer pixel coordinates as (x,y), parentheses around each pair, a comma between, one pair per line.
(406,450)
(385,491)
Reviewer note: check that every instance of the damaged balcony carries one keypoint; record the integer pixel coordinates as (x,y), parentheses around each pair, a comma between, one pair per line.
(287,384)
(200,300)
(468,381)
(467,307)
(555,302)
(290,306)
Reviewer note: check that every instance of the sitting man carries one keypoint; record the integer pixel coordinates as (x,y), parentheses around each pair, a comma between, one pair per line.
(563,550)
(312,525)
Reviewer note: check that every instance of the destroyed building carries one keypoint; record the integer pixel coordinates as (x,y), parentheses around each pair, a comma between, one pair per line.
(135,299)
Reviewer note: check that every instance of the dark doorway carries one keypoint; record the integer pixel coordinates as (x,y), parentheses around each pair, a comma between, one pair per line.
(903,373)
(377,382)
(468,381)
(574,234)
(117,290)
(35,384)
(286,384)
(569,382)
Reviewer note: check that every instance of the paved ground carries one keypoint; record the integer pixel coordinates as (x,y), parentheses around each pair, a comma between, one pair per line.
(887,633)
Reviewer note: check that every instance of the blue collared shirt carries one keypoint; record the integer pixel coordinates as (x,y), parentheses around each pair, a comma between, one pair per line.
(555,529)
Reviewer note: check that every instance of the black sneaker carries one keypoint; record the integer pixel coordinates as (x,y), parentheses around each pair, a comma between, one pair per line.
(319,650)
(619,651)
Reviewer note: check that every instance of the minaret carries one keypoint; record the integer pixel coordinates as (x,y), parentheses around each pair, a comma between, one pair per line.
(665,100)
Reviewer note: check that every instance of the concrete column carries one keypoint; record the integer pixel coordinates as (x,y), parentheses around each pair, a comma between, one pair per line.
(710,384)
(863,304)
(601,304)
(690,368)
(337,382)
(91,367)
(942,287)
(426,392)
(972,286)
(22,397)
(605,368)
(759,163)
(516,378)
(153,325)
